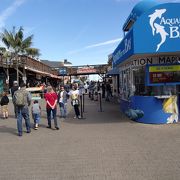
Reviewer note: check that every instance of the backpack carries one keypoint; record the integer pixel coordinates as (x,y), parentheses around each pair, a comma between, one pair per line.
(20,98)
(4,100)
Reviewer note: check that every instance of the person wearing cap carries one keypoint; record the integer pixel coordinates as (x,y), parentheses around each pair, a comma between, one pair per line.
(13,90)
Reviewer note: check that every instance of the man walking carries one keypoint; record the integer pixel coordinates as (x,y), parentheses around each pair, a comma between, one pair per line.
(22,99)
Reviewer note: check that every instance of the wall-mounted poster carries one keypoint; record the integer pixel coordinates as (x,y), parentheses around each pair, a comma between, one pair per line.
(157,75)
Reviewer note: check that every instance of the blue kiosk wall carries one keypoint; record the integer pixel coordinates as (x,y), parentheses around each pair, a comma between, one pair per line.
(151,106)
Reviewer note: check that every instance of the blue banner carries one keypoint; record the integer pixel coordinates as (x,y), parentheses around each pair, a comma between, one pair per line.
(158,30)
(124,50)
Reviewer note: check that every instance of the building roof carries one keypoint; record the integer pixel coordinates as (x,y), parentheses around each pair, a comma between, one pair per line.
(56,64)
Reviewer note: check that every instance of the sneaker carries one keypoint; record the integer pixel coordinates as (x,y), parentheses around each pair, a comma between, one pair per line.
(79,117)
(19,134)
(29,131)
(48,127)
(75,117)
(57,128)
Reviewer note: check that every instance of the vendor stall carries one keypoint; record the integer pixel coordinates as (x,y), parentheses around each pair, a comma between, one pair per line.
(148,59)
(36,92)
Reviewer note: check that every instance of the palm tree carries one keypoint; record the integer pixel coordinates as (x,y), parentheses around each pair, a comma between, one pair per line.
(18,45)
(32,52)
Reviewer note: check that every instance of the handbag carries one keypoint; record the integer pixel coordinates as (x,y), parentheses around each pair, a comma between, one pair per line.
(75,102)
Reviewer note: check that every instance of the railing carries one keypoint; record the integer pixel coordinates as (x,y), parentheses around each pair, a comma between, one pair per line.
(38,65)
(26,61)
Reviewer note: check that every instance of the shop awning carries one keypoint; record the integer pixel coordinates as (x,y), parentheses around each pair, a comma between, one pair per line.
(112,72)
(42,72)
(55,76)
(36,71)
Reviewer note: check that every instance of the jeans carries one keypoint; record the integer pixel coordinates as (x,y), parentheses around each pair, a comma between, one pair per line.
(15,110)
(23,112)
(36,118)
(63,109)
(76,109)
(53,111)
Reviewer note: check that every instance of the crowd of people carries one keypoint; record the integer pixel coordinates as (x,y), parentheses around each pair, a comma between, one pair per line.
(21,99)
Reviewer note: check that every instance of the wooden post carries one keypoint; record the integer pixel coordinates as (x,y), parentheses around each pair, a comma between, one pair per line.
(24,76)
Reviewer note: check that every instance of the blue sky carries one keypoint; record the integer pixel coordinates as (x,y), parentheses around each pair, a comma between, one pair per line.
(82,31)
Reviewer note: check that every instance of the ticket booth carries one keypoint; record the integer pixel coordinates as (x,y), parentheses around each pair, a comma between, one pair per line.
(148,59)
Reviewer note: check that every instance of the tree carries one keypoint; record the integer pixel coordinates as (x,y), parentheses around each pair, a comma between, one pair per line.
(18,45)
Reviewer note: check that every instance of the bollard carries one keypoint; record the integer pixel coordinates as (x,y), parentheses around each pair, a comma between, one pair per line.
(100,103)
(83,102)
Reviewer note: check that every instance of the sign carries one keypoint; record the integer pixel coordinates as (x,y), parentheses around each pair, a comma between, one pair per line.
(163,74)
(124,49)
(160,27)
(168,68)
(86,70)
(150,61)
(63,71)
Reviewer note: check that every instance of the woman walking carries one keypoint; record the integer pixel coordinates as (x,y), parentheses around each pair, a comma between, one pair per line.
(74,94)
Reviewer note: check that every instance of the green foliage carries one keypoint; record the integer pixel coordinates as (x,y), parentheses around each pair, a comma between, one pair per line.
(16,43)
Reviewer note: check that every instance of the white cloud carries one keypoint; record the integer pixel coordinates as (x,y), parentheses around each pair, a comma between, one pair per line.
(95,45)
(104,43)
(9,11)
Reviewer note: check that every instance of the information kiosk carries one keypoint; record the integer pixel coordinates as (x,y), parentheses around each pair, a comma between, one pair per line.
(148,59)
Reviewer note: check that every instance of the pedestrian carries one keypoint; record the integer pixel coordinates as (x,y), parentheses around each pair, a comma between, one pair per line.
(86,87)
(74,94)
(36,113)
(96,91)
(4,105)
(62,100)
(103,88)
(13,90)
(22,99)
(51,106)
(108,91)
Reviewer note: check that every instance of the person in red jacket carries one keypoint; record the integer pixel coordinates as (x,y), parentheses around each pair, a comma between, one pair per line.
(51,106)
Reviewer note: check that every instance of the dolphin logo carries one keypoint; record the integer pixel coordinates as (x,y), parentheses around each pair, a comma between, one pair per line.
(162,32)
(157,14)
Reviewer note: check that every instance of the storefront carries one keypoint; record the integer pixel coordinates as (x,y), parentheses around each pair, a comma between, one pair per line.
(148,59)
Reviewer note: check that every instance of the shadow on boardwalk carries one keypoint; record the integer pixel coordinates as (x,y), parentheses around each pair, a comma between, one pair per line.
(109,113)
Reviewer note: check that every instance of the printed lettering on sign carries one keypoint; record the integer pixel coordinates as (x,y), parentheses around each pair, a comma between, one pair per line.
(166,28)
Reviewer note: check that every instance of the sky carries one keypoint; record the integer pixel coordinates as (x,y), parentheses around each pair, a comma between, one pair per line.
(84,32)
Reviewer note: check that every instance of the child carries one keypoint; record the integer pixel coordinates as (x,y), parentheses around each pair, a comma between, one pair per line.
(36,112)
(4,105)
